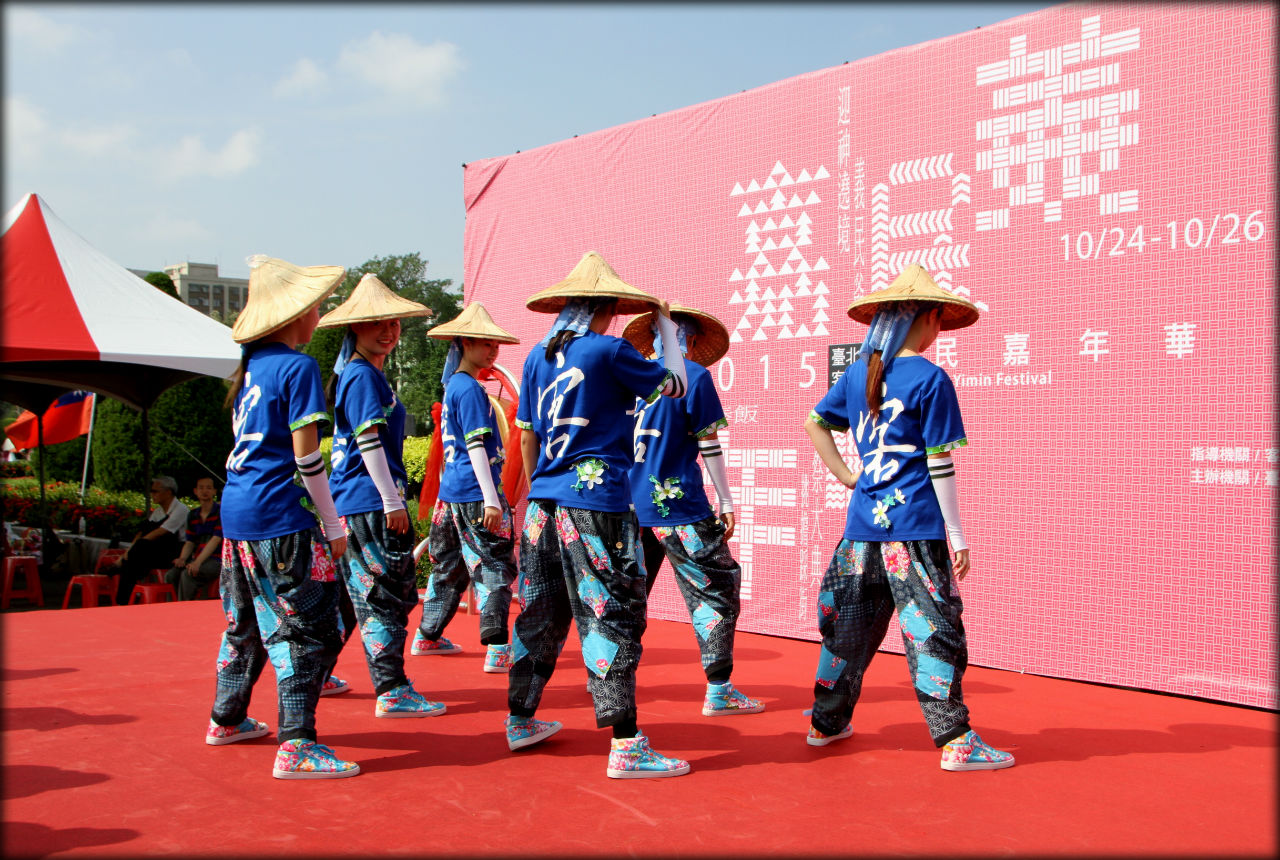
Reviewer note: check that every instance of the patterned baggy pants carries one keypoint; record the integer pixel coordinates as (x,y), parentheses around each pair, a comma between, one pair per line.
(464,553)
(864,583)
(708,578)
(579,564)
(382,582)
(280,597)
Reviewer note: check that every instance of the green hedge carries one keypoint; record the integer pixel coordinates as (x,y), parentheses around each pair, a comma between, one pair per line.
(106,513)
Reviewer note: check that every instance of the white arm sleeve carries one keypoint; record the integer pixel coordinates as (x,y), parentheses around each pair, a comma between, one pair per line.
(942,472)
(713,456)
(672,358)
(316,482)
(484,477)
(375,461)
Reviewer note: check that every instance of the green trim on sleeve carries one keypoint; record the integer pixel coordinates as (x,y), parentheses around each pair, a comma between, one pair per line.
(950,446)
(822,422)
(310,419)
(713,427)
(658,391)
(366,425)
(479,431)
(523,425)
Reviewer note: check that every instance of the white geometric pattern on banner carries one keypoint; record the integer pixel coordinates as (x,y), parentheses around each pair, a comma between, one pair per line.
(919,169)
(879,237)
(763,248)
(749,463)
(1059,102)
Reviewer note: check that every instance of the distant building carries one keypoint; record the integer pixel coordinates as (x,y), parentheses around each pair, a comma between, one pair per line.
(200,286)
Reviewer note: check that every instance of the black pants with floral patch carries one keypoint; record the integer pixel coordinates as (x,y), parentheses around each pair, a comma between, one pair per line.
(865,582)
(579,564)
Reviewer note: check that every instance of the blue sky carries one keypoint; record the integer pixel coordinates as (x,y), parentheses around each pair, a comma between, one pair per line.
(329,134)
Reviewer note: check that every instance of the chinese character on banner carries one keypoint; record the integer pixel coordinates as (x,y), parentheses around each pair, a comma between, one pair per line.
(839,357)
(843,103)
(1179,339)
(945,352)
(842,232)
(1095,344)
(1197,454)
(1015,349)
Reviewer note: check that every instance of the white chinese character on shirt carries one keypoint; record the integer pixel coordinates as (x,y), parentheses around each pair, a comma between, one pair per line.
(1095,343)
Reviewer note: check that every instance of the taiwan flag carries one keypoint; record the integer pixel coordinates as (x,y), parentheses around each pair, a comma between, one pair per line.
(66,418)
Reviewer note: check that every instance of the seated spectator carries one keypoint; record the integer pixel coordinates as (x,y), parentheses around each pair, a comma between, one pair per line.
(158,543)
(200,561)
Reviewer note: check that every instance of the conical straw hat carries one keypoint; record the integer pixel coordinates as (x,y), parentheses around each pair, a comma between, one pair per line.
(915,285)
(279,293)
(712,344)
(592,278)
(373,300)
(474,321)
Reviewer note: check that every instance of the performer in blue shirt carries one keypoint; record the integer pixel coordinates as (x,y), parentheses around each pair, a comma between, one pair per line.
(368,479)
(671,505)
(578,548)
(471,524)
(902,411)
(279,583)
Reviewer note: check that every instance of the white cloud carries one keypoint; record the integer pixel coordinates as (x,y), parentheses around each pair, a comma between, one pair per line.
(305,79)
(192,158)
(402,66)
(29,27)
(166,230)
(24,128)
(107,140)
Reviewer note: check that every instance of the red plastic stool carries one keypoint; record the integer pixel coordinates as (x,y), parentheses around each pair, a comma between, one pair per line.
(32,590)
(93,586)
(152,592)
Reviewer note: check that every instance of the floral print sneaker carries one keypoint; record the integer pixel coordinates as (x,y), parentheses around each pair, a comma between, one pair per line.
(423,646)
(526,731)
(818,739)
(333,685)
(969,752)
(724,699)
(250,728)
(497,658)
(404,701)
(633,758)
(304,759)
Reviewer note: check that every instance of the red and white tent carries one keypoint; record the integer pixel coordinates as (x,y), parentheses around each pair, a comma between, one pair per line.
(73,318)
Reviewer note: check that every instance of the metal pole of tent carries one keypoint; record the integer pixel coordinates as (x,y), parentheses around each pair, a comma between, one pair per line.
(84,474)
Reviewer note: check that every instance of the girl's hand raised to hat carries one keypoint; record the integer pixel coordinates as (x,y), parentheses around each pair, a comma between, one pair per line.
(664,308)
(398,521)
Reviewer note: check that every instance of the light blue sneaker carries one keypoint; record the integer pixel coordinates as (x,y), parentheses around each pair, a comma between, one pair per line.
(970,752)
(304,759)
(633,758)
(218,735)
(725,699)
(526,731)
(333,685)
(497,658)
(422,646)
(404,701)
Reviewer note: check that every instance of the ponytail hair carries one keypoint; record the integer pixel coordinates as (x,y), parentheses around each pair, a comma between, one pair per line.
(889,328)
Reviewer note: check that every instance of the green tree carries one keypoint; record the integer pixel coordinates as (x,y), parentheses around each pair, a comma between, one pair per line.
(413,370)
(162,282)
(189,415)
(63,461)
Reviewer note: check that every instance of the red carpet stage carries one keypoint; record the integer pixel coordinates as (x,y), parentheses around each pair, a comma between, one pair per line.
(105,710)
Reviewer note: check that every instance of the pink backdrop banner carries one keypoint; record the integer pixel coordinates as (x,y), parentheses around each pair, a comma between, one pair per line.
(1099,179)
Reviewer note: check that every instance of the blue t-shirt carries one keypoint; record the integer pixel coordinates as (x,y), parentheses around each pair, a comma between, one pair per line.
(467,415)
(264,494)
(579,405)
(363,399)
(894,498)
(666,480)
